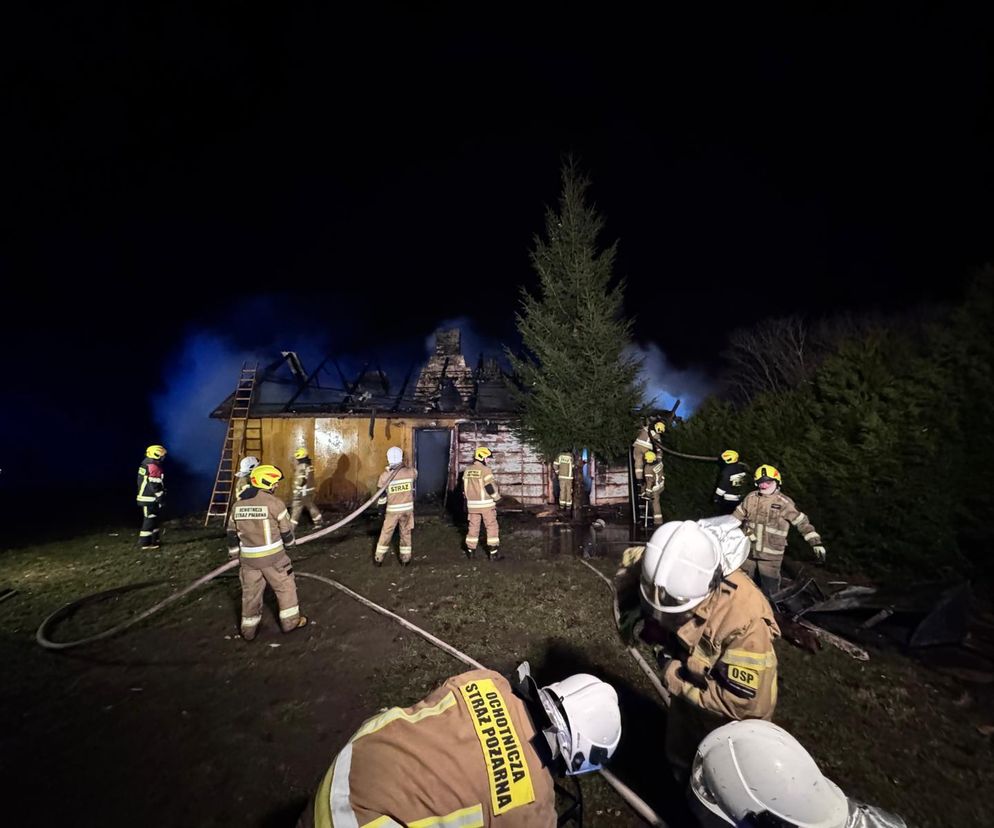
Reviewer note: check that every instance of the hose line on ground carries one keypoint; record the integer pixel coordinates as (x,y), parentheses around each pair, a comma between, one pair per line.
(41,636)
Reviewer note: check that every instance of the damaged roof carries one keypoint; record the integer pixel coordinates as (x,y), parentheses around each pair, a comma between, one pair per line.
(445,384)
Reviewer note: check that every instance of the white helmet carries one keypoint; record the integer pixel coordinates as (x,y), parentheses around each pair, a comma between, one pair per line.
(585,719)
(679,566)
(753,766)
(395,456)
(732,541)
(246,466)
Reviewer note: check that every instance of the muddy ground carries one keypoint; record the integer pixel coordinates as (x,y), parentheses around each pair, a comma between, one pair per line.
(180,722)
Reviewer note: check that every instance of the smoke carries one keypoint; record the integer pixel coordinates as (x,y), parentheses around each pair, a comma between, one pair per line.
(666,384)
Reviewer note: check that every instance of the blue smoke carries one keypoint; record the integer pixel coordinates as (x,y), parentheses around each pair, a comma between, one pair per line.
(666,384)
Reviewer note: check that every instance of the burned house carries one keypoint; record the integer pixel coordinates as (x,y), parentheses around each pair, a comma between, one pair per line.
(347,424)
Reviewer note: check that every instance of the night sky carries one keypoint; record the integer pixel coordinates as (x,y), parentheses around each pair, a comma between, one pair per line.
(191,180)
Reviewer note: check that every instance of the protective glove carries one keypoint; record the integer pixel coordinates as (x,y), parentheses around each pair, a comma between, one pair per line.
(819,553)
(631,555)
(233,551)
(671,677)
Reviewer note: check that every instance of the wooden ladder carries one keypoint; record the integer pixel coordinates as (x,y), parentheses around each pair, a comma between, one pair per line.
(244,437)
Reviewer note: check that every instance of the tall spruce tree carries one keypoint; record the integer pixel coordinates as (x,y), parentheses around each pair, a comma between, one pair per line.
(580,387)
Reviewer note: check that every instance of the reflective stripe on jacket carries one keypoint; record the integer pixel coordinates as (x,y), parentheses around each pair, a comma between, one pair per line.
(480,487)
(400,492)
(426,765)
(151,481)
(563,467)
(303,478)
(259,526)
(730,667)
(767,518)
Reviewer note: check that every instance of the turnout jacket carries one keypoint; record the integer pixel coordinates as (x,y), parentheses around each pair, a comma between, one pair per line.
(655,479)
(480,487)
(766,520)
(151,482)
(464,756)
(259,529)
(399,496)
(563,467)
(303,478)
(728,665)
(731,482)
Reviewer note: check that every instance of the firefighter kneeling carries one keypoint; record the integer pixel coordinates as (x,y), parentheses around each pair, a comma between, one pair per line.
(259,531)
(723,666)
(473,753)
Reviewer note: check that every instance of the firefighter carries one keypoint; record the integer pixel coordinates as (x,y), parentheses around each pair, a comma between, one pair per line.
(563,469)
(303,490)
(399,500)
(755,773)
(475,752)
(151,494)
(244,470)
(732,476)
(766,516)
(259,533)
(647,440)
(721,665)
(653,484)
(481,493)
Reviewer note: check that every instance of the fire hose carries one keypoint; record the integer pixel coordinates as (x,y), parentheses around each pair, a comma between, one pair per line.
(41,636)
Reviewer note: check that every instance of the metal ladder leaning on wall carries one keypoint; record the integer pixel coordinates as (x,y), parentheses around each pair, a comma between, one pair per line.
(244,437)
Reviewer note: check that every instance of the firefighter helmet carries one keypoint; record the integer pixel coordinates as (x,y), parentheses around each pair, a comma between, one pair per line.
(730,456)
(756,767)
(650,457)
(155,452)
(395,455)
(247,464)
(680,568)
(265,477)
(300,454)
(482,453)
(584,718)
(766,472)
(659,427)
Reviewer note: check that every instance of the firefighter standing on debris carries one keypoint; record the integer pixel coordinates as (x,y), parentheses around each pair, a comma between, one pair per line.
(766,516)
(259,533)
(476,752)
(242,481)
(481,493)
(720,665)
(563,469)
(151,492)
(732,476)
(303,490)
(653,485)
(399,500)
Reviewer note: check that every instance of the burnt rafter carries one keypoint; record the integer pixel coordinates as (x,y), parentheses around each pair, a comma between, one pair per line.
(307,383)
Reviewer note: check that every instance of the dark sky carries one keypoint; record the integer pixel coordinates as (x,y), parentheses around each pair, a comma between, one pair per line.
(358,180)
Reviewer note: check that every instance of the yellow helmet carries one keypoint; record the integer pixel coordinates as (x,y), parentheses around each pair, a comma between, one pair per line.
(766,472)
(650,457)
(300,453)
(265,477)
(660,427)
(730,456)
(155,452)
(482,453)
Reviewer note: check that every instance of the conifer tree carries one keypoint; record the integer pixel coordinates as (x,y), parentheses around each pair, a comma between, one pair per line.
(580,388)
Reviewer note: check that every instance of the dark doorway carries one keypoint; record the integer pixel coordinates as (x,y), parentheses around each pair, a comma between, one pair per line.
(431,459)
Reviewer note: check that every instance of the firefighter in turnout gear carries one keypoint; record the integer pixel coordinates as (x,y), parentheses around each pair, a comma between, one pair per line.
(647,440)
(722,666)
(766,516)
(481,493)
(303,490)
(653,485)
(563,469)
(151,491)
(477,753)
(259,533)
(399,500)
(242,478)
(731,485)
